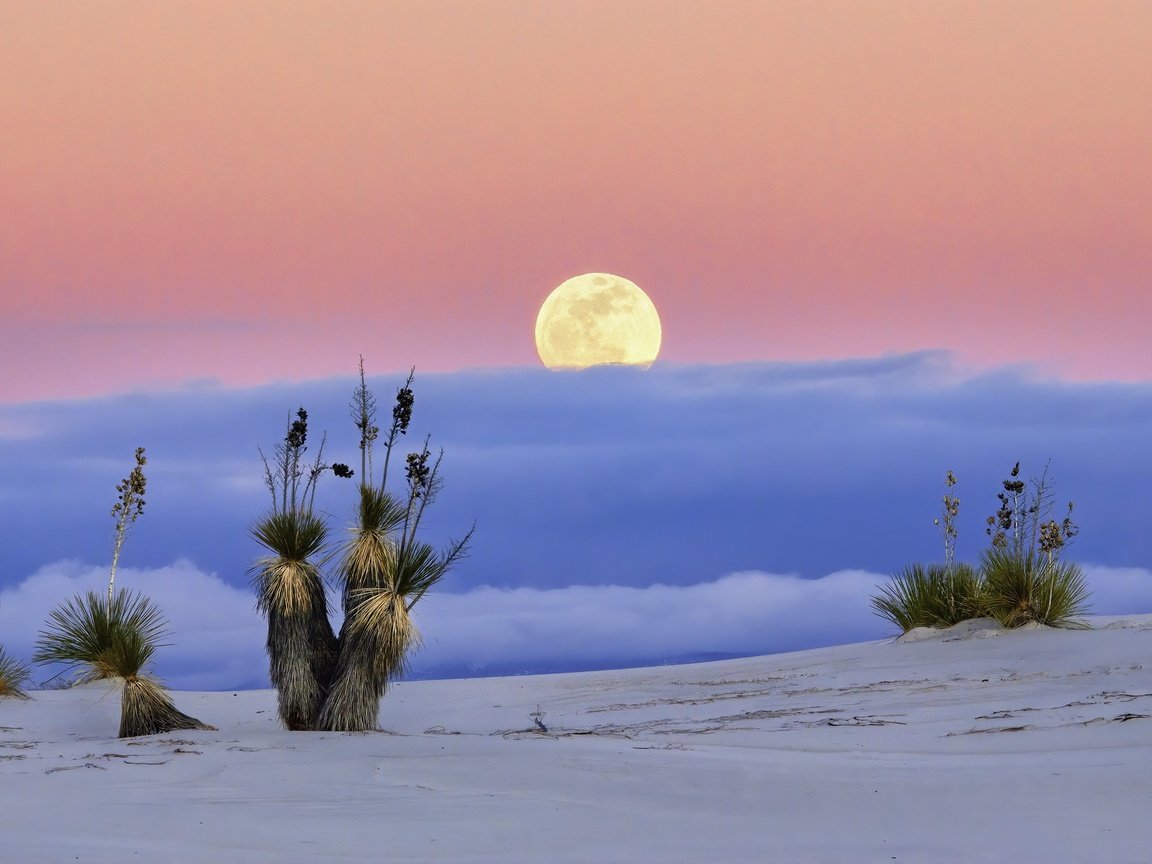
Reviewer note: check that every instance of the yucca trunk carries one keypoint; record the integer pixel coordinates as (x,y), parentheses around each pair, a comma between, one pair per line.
(301,645)
(373,639)
(374,643)
(302,653)
(145,709)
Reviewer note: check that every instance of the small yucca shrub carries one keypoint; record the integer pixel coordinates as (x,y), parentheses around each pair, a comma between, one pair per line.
(115,639)
(1029,588)
(932,595)
(13,674)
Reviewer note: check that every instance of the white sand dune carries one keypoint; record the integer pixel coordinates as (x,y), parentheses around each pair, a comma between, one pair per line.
(1027,747)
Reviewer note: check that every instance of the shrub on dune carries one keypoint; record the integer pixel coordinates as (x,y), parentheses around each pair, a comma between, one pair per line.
(934,595)
(1027,588)
(13,674)
(1025,582)
(1020,580)
(115,639)
(931,595)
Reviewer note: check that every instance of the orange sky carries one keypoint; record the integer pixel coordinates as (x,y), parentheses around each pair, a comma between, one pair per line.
(258,191)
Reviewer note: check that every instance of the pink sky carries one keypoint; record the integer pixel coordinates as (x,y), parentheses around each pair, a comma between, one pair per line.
(249,192)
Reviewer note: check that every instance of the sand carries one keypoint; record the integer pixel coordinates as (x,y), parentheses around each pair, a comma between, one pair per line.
(974,745)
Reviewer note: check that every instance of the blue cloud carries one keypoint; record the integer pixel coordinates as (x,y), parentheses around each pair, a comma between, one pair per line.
(612,477)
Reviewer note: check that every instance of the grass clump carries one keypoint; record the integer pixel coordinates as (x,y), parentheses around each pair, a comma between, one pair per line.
(13,675)
(1030,588)
(931,595)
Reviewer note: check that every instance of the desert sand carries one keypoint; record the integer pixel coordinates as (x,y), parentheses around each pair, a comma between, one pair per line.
(970,745)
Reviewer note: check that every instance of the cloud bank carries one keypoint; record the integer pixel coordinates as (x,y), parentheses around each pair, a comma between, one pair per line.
(217,638)
(610,499)
(611,476)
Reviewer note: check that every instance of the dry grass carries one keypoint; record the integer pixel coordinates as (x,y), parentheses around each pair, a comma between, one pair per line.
(146,709)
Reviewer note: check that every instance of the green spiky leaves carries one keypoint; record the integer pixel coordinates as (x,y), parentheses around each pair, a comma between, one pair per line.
(930,596)
(106,639)
(1028,588)
(13,675)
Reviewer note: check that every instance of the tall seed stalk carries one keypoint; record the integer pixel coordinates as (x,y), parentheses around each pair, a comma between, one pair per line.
(127,510)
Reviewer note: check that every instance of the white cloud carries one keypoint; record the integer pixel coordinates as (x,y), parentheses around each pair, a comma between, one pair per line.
(744,613)
(217,637)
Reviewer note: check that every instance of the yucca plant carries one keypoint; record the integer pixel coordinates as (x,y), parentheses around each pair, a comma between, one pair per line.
(1025,580)
(289,584)
(366,566)
(931,596)
(336,683)
(13,674)
(128,508)
(1026,587)
(115,636)
(384,569)
(934,595)
(115,639)
(290,592)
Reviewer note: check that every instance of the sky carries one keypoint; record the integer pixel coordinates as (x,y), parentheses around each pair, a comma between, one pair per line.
(885,240)
(260,191)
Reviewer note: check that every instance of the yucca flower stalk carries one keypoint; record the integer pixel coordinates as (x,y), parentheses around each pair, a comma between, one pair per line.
(127,509)
(115,639)
(13,674)
(98,639)
(289,583)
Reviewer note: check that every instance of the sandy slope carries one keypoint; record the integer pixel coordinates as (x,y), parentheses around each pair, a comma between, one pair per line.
(1026,747)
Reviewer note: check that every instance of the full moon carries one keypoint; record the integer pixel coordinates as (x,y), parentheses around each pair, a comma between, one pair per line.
(597,320)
